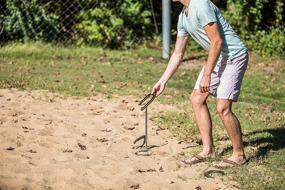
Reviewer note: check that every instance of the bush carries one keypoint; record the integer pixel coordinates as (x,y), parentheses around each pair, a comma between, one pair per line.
(270,42)
(123,23)
(101,26)
(262,30)
(23,18)
(113,27)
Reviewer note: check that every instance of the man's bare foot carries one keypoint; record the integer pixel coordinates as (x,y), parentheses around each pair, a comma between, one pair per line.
(237,159)
(231,161)
(209,154)
(201,157)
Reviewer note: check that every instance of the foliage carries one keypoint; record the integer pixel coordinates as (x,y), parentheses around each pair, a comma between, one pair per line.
(263,31)
(85,71)
(123,23)
(270,42)
(110,27)
(108,31)
(22,19)
(243,16)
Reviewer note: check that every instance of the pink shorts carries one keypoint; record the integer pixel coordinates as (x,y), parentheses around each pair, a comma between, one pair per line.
(226,78)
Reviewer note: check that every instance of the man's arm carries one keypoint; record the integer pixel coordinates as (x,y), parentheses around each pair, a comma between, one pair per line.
(173,64)
(176,58)
(214,35)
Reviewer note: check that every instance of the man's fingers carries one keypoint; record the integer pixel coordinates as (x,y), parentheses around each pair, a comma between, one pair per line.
(159,92)
(204,89)
(154,89)
(201,89)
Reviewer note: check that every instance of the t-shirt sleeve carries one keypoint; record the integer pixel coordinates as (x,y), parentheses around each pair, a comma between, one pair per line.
(205,12)
(180,29)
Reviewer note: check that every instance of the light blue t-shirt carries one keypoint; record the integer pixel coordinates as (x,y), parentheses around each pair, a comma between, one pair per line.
(201,13)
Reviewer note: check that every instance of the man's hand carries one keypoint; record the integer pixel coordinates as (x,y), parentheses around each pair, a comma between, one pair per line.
(216,42)
(205,83)
(214,35)
(173,64)
(158,88)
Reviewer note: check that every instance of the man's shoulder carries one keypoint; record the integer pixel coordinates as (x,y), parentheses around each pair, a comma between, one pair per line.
(199,1)
(199,5)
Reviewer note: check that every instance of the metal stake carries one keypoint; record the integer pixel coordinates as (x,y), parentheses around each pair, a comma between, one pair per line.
(144,148)
(146,127)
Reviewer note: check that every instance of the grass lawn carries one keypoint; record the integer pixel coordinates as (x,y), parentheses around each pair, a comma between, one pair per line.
(91,71)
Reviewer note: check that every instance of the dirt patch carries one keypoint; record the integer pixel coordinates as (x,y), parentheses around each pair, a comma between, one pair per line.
(51,142)
(193,64)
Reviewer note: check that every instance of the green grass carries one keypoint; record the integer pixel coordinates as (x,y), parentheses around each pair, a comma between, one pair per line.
(89,71)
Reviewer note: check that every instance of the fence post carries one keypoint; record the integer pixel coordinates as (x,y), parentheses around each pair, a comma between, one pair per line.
(166,28)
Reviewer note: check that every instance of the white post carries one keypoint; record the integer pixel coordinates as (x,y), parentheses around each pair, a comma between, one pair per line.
(166,28)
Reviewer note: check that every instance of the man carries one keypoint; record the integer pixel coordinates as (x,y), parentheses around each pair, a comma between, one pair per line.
(221,76)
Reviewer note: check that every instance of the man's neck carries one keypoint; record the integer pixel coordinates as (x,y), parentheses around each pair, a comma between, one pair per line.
(185,2)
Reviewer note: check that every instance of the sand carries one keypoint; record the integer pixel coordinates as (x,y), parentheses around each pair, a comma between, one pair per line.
(51,142)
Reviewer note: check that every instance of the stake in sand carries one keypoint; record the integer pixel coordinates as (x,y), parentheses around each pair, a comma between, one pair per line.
(144,149)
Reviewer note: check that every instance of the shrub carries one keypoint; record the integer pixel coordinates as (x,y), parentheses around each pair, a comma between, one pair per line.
(23,18)
(114,27)
(262,30)
(270,42)
(101,26)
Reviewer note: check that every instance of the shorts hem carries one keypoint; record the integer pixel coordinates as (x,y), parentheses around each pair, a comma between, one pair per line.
(227,98)
(234,99)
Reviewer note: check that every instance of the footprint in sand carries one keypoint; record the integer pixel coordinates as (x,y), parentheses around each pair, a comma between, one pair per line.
(24,127)
(32,151)
(82,147)
(67,150)
(10,148)
(188,144)
(46,132)
(47,121)
(80,156)
(3,120)
(130,128)
(135,186)
(159,129)
(102,140)
(24,119)
(106,130)
(97,112)
(147,170)
(84,134)
(169,164)
(131,108)
(106,120)
(61,158)
(125,101)
(14,113)
(32,163)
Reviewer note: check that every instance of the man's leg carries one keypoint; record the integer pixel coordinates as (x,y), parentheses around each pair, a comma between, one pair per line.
(232,125)
(203,120)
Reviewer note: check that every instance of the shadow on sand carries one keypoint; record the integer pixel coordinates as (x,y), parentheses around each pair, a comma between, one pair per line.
(273,142)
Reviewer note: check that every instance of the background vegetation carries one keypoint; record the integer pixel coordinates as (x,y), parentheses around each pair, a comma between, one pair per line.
(85,71)
(124,23)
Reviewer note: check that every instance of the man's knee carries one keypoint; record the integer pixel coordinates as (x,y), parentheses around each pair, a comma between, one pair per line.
(223,108)
(197,98)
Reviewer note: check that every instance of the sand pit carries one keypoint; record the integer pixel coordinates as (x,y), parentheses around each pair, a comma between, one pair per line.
(50,142)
